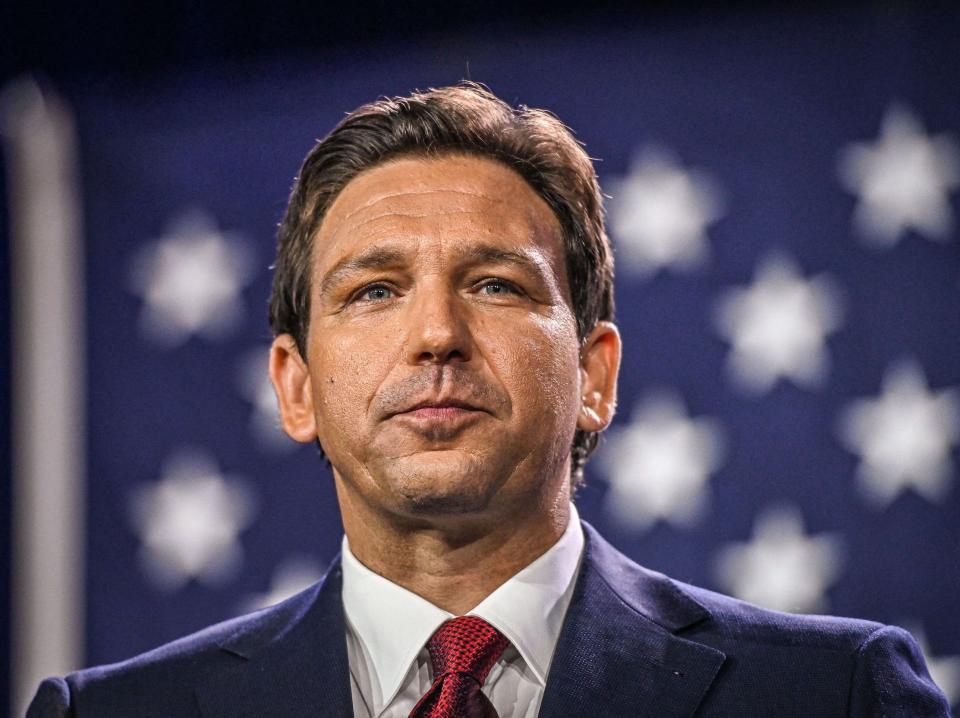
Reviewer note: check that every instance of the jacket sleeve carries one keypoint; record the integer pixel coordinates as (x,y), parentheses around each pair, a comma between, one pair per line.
(890,679)
(51,701)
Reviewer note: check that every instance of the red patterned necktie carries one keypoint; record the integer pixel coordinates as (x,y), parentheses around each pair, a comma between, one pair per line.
(462,651)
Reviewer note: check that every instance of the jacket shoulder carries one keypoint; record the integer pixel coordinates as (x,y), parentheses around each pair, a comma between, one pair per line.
(861,667)
(714,617)
(788,664)
(734,620)
(161,682)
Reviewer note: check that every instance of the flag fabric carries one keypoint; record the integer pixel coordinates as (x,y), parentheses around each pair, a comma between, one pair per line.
(783,203)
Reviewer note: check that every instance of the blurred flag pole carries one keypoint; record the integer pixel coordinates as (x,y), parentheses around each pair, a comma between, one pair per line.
(49,358)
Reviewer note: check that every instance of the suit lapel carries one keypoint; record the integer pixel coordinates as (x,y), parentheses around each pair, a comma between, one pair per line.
(617,654)
(294,662)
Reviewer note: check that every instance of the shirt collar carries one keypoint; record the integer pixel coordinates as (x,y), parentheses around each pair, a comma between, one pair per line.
(394,624)
(529,608)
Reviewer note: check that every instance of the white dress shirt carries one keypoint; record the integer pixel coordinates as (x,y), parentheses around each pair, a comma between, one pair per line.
(388,627)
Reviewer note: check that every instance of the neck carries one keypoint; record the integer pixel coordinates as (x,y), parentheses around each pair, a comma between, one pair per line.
(452,561)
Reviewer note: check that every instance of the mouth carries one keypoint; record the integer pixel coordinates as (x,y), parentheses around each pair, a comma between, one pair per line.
(433,413)
(440,404)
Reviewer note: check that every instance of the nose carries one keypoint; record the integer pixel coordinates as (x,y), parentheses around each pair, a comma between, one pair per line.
(438,330)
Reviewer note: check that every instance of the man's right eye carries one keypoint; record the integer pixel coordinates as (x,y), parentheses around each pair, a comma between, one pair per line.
(374,293)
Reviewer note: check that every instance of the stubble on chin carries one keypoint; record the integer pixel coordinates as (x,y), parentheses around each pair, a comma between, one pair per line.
(428,488)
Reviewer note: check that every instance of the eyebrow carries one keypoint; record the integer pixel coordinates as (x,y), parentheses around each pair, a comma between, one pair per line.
(370,258)
(487,254)
(381,257)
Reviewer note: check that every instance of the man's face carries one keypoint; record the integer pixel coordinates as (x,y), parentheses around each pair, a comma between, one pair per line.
(443,368)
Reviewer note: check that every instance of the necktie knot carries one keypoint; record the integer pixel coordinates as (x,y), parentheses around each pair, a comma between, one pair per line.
(466,644)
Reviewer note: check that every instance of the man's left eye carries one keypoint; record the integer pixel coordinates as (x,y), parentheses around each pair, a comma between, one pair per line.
(498,287)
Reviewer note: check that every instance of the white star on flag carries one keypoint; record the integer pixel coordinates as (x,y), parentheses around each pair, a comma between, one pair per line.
(658,465)
(190,281)
(190,520)
(255,386)
(904,436)
(290,578)
(777,327)
(781,567)
(944,670)
(902,181)
(659,214)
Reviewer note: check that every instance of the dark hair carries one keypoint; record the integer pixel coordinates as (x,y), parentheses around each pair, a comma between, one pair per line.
(464,119)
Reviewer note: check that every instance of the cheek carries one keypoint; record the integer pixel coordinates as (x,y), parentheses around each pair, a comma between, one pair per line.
(543,365)
(347,370)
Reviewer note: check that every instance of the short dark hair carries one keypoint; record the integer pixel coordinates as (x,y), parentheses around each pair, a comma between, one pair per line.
(462,119)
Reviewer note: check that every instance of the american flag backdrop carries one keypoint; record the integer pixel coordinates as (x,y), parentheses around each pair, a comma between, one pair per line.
(783,202)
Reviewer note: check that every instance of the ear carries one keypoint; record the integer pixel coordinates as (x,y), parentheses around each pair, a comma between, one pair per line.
(599,366)
(291,381)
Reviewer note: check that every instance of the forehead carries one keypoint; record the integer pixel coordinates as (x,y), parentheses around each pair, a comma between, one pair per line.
(445,202)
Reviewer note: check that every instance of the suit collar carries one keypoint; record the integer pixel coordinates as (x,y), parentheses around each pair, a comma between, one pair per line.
(295,660)
(618,653)
(651,594)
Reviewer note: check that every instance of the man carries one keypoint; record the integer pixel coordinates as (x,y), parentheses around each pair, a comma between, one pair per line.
(442,307)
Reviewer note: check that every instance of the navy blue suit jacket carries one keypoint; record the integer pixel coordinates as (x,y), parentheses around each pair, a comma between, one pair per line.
(634,643)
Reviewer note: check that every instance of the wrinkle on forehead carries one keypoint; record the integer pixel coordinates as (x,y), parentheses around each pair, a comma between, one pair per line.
(400,198)
(412,181)
(386,196)
(413,215)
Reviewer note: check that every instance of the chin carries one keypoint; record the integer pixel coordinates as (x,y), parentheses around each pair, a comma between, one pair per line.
(438,505)
(432,485)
